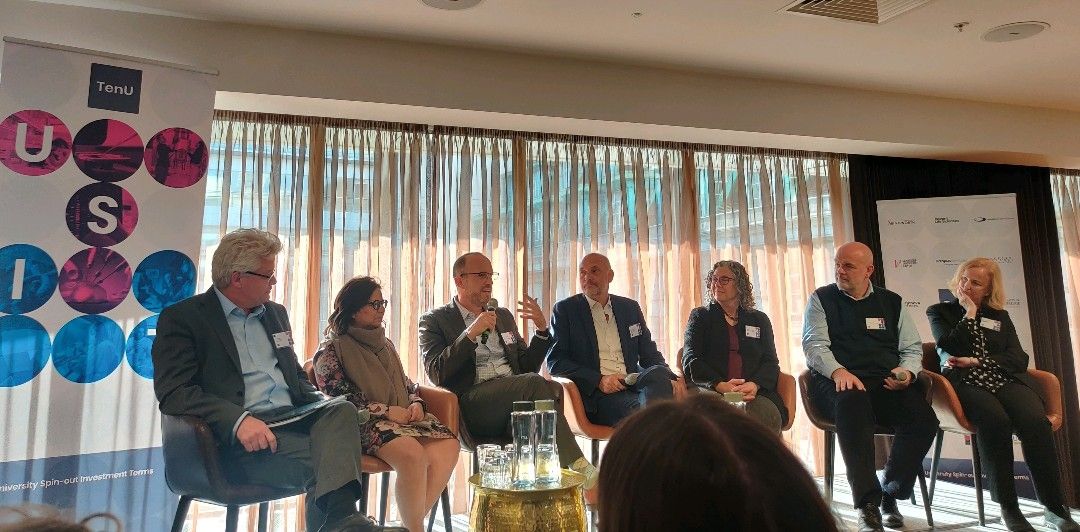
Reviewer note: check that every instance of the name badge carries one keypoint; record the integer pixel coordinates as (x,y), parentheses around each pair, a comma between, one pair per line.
(753,332)
(635,330)
(283,339)
(988,323)
(875,324)
(509,337)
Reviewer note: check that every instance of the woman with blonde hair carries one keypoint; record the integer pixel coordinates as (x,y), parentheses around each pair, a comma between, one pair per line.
(981,356)
(358,360)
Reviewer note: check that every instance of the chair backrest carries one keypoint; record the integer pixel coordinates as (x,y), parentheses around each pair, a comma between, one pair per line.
(785,387)
(930,360)
(816,418)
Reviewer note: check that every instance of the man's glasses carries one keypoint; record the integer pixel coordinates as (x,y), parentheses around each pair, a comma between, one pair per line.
(487,276)
(271,277)
(378,304)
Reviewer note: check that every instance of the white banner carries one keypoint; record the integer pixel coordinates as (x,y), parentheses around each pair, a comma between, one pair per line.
(102,165)
(923,241)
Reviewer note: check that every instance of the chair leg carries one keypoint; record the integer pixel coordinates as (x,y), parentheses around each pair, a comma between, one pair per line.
(596,453)
(181,513)
(365,484)
(232,516)
(445,497)
(830,439)
(384,496)
(431,517)
(976,468)
(935,463)
(264,515)
(925,498)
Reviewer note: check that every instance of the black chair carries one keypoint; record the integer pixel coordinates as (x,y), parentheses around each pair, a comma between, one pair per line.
(193,470)
(826,424)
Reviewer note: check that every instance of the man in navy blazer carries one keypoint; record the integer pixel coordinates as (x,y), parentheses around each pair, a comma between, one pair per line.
(598,339)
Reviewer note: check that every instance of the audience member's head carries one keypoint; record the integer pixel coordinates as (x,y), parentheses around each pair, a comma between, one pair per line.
(41,518)
(701,464)
(728,279)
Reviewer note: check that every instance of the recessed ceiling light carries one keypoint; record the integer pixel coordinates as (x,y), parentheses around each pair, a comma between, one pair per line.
(636,14)
(1015,31)
(452,5)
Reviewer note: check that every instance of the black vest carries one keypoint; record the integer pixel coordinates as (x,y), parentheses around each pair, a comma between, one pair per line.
(864,351)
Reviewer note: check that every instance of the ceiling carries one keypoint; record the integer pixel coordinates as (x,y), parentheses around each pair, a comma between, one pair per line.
(918,52)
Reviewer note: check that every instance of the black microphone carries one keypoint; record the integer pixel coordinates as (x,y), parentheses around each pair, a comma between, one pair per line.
(492,304)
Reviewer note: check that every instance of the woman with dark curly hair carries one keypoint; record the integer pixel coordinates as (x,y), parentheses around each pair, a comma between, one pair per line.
(729,345)
(701,465)
(358,360)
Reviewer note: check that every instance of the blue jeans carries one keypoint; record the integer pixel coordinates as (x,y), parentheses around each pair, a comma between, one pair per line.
(653,384)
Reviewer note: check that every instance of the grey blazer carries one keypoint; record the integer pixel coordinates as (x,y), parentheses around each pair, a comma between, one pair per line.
(197,366)
(450,357)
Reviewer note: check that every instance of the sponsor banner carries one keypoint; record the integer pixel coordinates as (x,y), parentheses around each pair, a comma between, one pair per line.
(102,160)
(923,241)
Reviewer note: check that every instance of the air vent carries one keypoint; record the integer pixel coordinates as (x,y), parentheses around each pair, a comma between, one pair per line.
(870,11)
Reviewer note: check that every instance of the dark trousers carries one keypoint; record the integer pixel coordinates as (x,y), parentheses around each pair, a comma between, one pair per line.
(653,384)
(320,452)
(857,412)
(1014,408)
(486,408)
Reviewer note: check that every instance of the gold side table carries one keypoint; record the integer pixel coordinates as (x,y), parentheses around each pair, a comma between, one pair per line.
(549,509)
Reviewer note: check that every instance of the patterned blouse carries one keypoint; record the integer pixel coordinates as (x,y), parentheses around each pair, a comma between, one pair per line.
(988,375)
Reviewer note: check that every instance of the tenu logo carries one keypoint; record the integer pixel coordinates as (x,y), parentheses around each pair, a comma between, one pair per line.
(114,88)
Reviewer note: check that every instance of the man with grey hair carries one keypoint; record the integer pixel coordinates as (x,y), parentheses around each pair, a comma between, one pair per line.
(226,356)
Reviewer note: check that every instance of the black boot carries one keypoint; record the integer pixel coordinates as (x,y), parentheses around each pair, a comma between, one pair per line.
(1014,520)
(890,513)
(870,518)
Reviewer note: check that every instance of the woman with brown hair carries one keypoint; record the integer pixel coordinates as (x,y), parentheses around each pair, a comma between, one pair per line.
(701,464)
(729,345)
(358,360)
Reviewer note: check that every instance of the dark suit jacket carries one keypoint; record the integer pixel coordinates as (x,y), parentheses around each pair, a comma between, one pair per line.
(705,351)
(575,352)
(953,339)
(450,357)
(197,367)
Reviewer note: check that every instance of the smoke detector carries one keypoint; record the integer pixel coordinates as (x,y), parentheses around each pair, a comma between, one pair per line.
(1014,31)
(868,11)
(451,5)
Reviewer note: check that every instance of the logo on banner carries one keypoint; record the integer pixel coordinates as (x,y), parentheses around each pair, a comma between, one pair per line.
(1013,302)
(901,221)
(904,263)
(114,88)
(980,219)
(945,220)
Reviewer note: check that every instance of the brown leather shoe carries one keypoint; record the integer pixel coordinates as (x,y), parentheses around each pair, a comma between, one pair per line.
(359,523)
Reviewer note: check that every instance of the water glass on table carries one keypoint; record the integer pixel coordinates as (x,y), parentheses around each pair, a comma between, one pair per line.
(495,468)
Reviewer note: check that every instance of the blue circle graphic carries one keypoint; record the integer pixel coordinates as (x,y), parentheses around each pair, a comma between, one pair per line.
(34,270)
(138,347)
(24,349)
(88,349)
(162,279)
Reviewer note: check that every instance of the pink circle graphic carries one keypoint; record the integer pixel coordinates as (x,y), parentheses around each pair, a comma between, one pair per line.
(177,157)
(34,142)
(108,150)
(101,214)
(95,280)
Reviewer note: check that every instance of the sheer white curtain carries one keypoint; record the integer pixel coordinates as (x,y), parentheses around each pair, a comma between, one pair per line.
(1065,187)
(629,201)
(781,215)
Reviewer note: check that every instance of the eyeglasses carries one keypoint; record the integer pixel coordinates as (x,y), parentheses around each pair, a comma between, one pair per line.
(723,281)
(378,304)
(271,277)
(487,276)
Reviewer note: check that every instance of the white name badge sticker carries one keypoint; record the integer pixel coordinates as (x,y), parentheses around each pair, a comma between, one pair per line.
(987,323)
(508,337)
(635,330)
(753,332)
(283,339)
(875,324)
